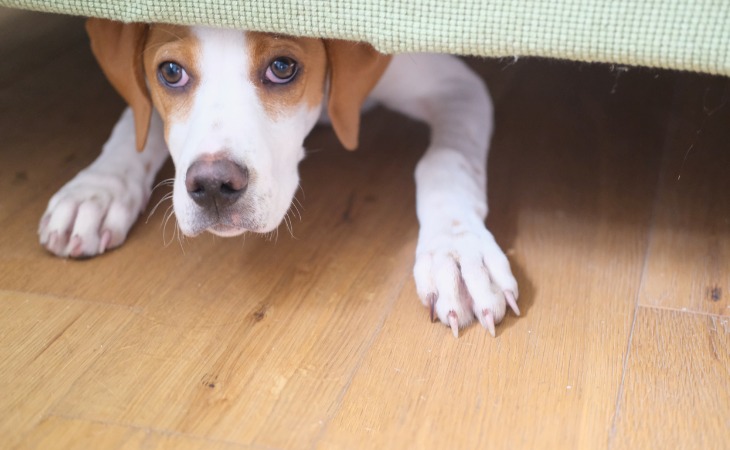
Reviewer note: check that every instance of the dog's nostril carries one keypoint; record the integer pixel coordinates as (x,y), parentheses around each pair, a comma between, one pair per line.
(228,188)
(217,182)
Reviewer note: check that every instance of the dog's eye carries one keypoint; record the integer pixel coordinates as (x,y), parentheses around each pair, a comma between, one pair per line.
(281,70)
(172,74)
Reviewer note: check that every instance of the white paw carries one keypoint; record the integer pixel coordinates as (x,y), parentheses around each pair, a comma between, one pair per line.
(92,213)
(461,273)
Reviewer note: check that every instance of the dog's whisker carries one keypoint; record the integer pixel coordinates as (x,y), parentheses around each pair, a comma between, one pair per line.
(287,222)
(180,236)
(165,243)
(169,213)
(295,208)
(170,32)
(291,228)
(152,47)
(295,205)
(165,182)
(167,196)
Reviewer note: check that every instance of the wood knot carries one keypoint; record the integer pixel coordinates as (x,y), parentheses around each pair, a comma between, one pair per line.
(715,293)
(260,313)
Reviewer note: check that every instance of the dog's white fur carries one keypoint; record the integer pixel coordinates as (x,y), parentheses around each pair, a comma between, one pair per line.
(460,270)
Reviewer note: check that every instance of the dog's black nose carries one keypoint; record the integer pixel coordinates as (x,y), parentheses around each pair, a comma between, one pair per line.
(216,182)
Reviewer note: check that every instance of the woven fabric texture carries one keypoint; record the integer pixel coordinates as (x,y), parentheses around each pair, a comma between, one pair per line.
(689,35)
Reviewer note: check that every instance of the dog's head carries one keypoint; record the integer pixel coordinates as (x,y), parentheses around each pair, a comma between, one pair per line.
(236,107)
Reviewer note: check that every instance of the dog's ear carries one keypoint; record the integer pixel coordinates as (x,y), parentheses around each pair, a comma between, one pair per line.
(354,69)
(118,48)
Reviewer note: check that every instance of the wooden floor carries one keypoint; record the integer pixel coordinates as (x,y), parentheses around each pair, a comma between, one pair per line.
(609,189)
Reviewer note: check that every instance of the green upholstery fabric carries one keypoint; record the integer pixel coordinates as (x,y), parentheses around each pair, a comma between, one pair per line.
(678,34)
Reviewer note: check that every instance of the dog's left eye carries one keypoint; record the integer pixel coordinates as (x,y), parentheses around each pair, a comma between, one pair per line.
(173,74)
(281,70)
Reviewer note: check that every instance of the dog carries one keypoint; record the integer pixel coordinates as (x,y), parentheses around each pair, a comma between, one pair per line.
(232,109)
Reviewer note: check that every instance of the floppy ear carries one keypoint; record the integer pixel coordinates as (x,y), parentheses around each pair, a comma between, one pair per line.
(354,69)
(118,48)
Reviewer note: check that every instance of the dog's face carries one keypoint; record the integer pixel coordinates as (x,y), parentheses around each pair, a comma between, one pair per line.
(246,98)
(236,107)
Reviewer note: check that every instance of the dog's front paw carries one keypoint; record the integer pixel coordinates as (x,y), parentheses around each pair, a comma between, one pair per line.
(461,273)
(91,214)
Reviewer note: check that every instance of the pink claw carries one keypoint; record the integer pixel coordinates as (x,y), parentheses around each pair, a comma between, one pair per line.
(487,321)
(431,299)
(510,297)
(454,323)
(52,241)
(44,223)
(76,244)
(106,237)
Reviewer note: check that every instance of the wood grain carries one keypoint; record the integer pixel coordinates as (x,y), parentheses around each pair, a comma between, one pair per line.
(45,345)
(551,378)
(75,434)
(618,236)
(677,388)
(688,263)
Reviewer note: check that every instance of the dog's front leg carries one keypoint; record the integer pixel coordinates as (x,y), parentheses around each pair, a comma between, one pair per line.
(94,211)
(460,271)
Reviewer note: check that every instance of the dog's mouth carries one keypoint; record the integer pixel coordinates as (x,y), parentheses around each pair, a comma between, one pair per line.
(227,225)
(224,230)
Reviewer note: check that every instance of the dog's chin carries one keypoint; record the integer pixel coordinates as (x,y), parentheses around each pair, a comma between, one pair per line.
(226,231)
(213,227)
(229,224)
(229,230)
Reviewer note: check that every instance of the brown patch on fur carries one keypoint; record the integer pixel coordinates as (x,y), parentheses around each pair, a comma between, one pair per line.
(308,86)
(354,69)
(117,47)
(177,44)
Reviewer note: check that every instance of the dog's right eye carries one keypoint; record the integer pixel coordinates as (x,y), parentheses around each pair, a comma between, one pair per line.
(282,70)
(172,74)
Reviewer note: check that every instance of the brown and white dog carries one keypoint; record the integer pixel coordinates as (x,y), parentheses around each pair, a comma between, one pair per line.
(232,108)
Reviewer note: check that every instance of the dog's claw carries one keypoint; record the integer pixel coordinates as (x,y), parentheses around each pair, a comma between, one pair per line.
(106,237)
(431,298)
(52,240)
(76,246)
(510,297)
(487,321)
(454,323)
(44,224)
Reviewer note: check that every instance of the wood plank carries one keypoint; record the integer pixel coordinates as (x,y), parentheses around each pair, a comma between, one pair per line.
(677,388)
(573,205)
(56,107)
(52,37)
(45,345)
(256,348)
(319,340)
(74,434)
(688,263)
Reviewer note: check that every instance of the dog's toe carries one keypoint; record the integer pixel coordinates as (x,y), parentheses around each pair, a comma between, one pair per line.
(464,276)
(90,215)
